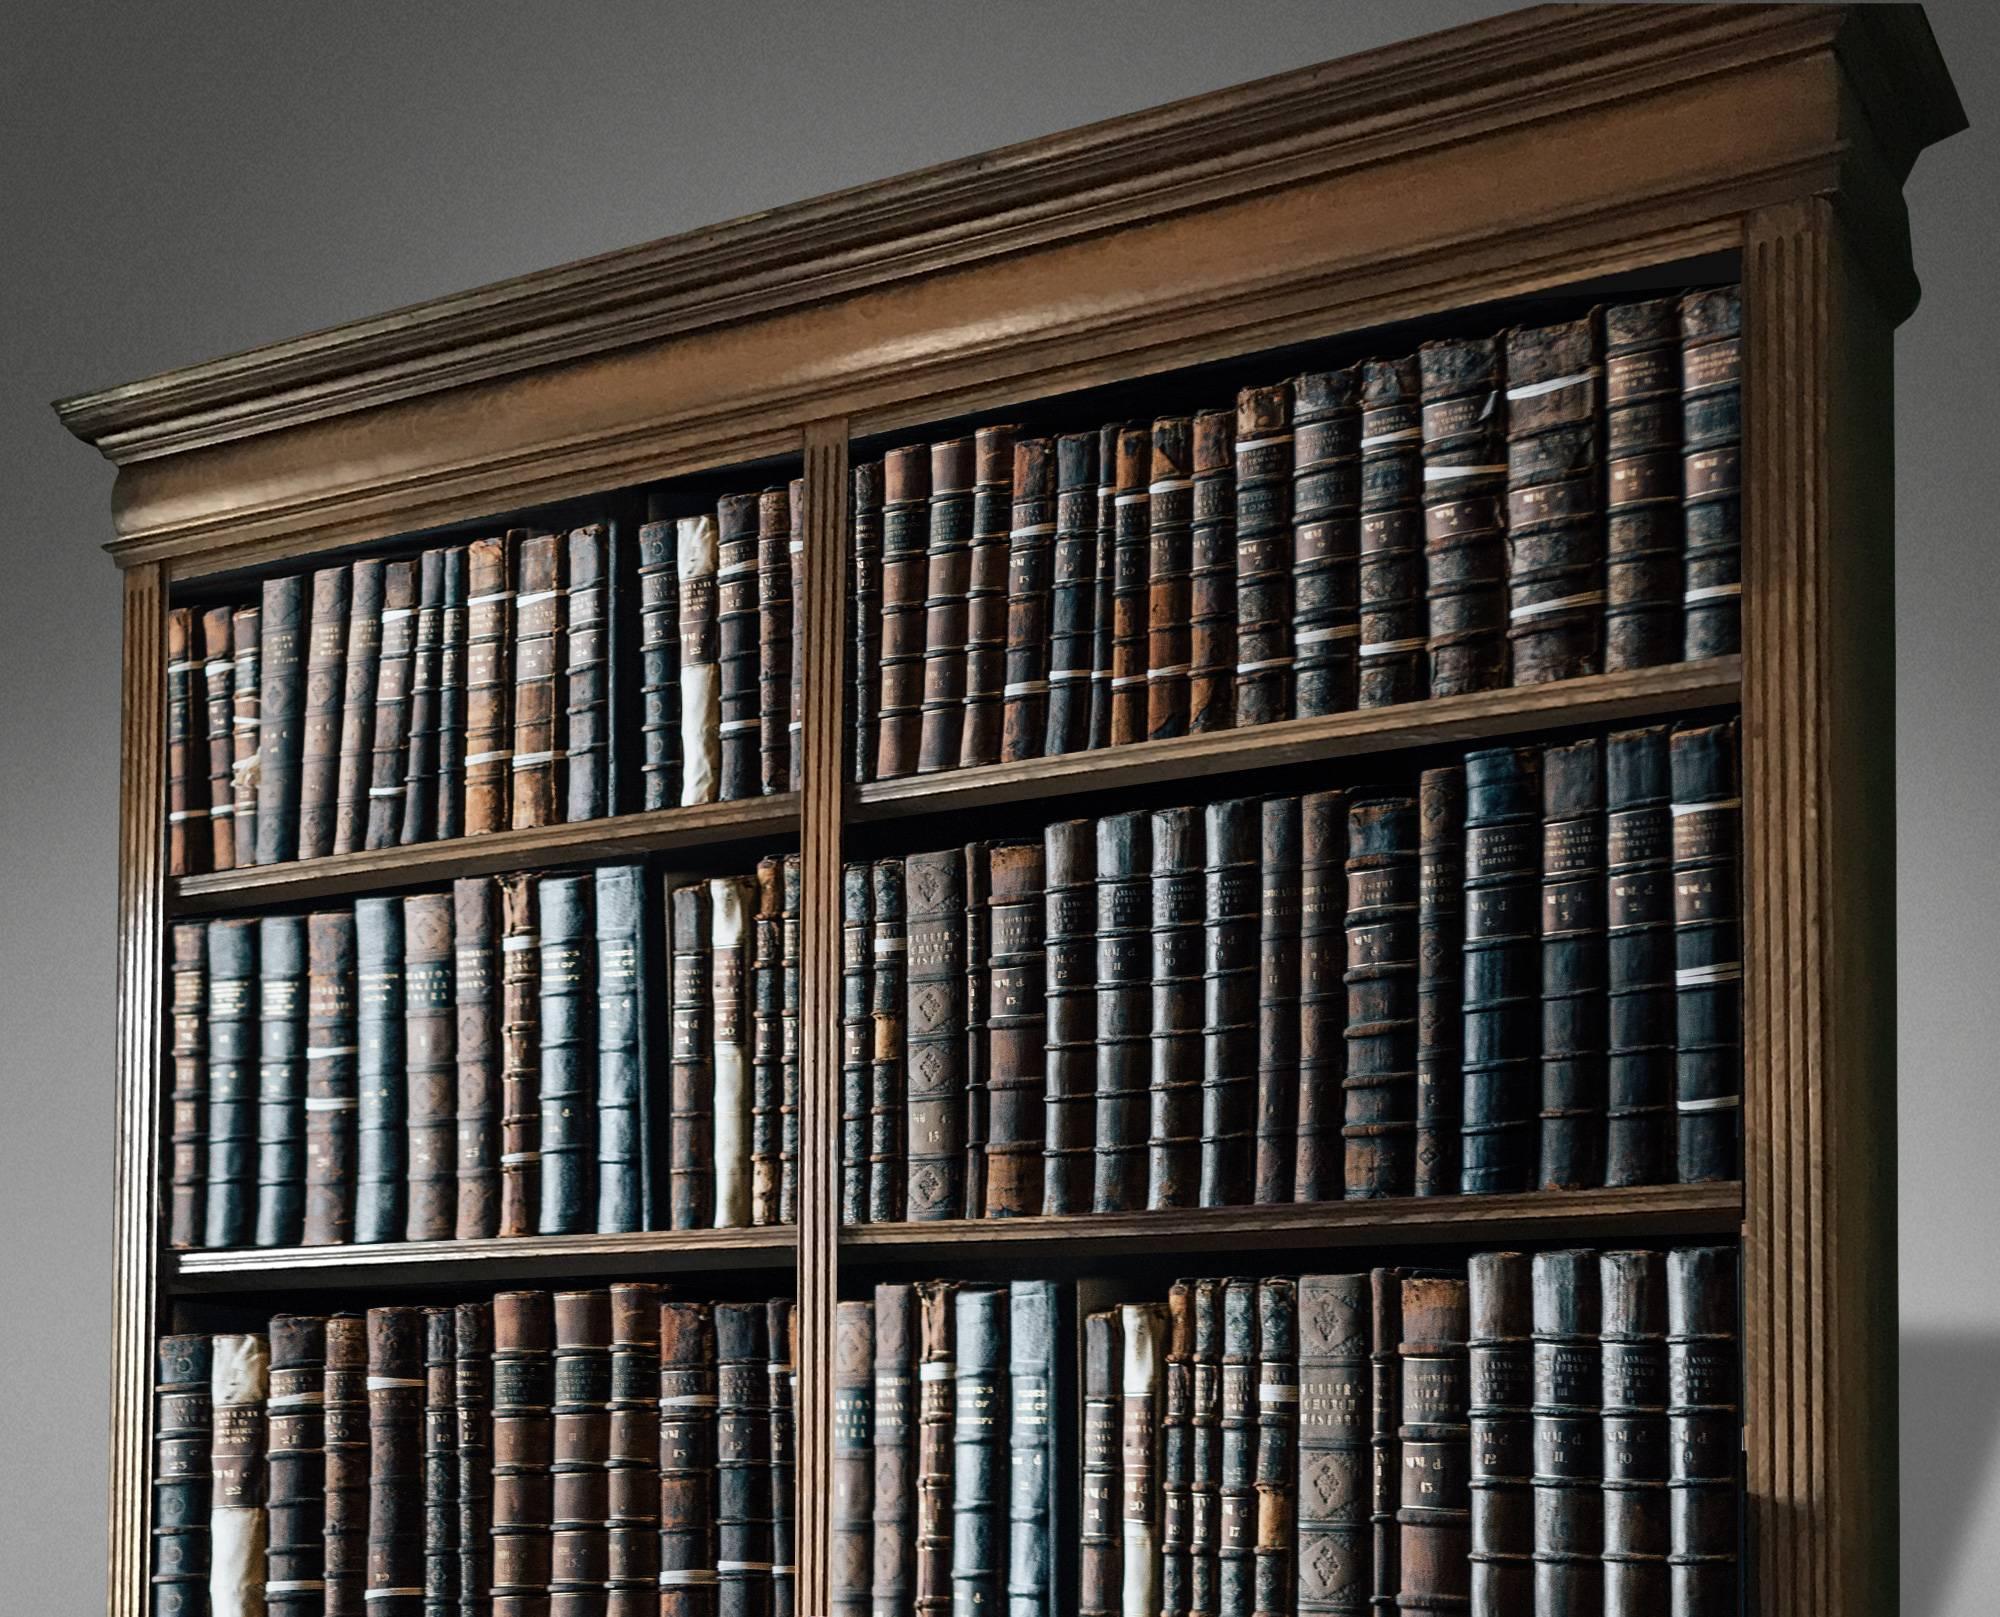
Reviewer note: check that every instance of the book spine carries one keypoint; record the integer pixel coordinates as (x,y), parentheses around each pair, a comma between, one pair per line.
(472,1396)
(187,1176)
(936,1374)
(395,1462)
(1569,1433)
(864,652)
(535,779)
(886,1088)
(1173,1134)
(1711,444)
(246,644)
(1501,1409)
(1035,1454)
(380,1117)
(1103,1551)
(430,1067)
(451,728)
(489,683)
(580,1446)
(795,709)
(1276,1575)
(520,1056)
(894,1500)
(218,670)
(1124,973)
(1385,1374)
(419,817)
(743,1498)
(985,619)
(389,735)
(1237,1497)
(691,1056)
(1230,929)
(1072,595)
(1318,1174)
(738,726)
(1502,975)
(523,1452)
(1632,1287)
(1177,1455)
(979,1442)
(688,1576)
(1276,1166)
(232,1083)
(766,999)
(1642,484)
(1212,575)
(183,1426)
(1435,1507)
(1708,951)
(1440,976)
(319,729)
(850,1555)
(1704,1431)
(906,489)
(782,1375)
(1104,608)
(1333,1445)
(1380,1086)
(1030,543)
(1169,578)
(659,666)
(774,639)
(1017,1025)
(978,1032)
(280,703)
(1069,918)
(1264,648)
(345,1409)
(1326,537)
(1465,514)
(696,547)
(440,1465)
(1639,959)
(187,807)
(477,1102)
(587,676)
(857,1037)
(632,1455)
(947,575)
(1130,586)
(1205,1468)
(790,1041)
(238,1527)
(281,1079)
(628,1143)
(729,904)
(1143,1328)
(1394,664)
(1573,965)
(935,1036)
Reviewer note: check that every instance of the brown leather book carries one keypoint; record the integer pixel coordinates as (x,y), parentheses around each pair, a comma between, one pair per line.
(790,1045)
(850,1555)
(346,1449)
(441,1464)
(188,838)
(1326,538)
(691,1086)
(217,670)
(1276,1575)
(280,702)
(1394,664)
(472,1392)
(489,684)
(1264,554)
(1319,1172)
(188,1099)
(1440,976)
(632,1454)
(426,679)
(1017,1019)
(695,556)
(864,672)
(395,1462)
(1130,587)
(1568,1433)
(1275,1168)
(986,594)
(1381,1081)
(795,718)
(935,1035)
(1385,1335)
(319,745)
(1103,1548)
(898,1344)
(520,1057)
(579,1543)
(738,726)
(1434,1511)
(449,810)
(389,735)
(1465,514)
(475,994)
(523,1452)
(587,675)
(538,656)
(947,574)
(978,1036)
(886,1082)
(1103,613)
(245,677)
(1642,484)
(774,639)
(1124,977)
(1173,1134)
(1070,1049)
(766,1034)
(332,1070)
(935,1304)
(1231,905)
(1030,549)
(430,1066)
(1500,1405)
(659,659)
(906,488)
(687,1391)
(359,669)
(1072,594)
(1169,577)
(1712,446)
(1212,575)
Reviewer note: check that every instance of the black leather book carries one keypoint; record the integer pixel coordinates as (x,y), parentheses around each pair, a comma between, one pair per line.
(691,1058)
(245,647)
(659,665)
(1212,581)
(767,987)
(357,708)
(520,1056)
(1380,1088)
(979,1476)
(588,674)
(1264,554)
(1502,969)
(1632,1288)
(851,1550)
(738,730)
(1016,1025)
(730,901)
(894,1508)
(281,1079)
(1177,1455)
(1385,1374)
(1144,1329)
(1102,1548)
(188,840)
(232,1083)
(1039,1441)
(985,638)
(579,1549)
(389,734)
(1169,577)
(1069,859)
(1326,538)
(935,1408)
(978,1034)
(1569,1445)
(780,1371)
(935,1034)
(1129,585)
(688,1576)
(790,1049)
(187,1100)
(1639,959)
(1275,1170)
(395,1462)
(1230,927)
(345,1411)
(1642,484)
(857,1037)
(419,817)
(523,1451)
(430,1067)
(865,638)
(475,922)
(1433,1514)
(182,1426)
(1103,614)
(319,718)
(774,638)
(452,631)
(632,1458)
(1711,444)
(905,567)
(441,1461)
(1173,1134)
(1072,595)
(280,714)
(1501,1405)
(1030,555)
(1205,1461)
(472,1426)
(948,571)
(1276,1576)
(1440,976)
(1236,1543)
(1573,965)
(1124,976)
(1704,1431)
(1318,1171)
(1333,1446)
(1394,662)
(1708,951)
(1465,513)
(569,1068)
(886,1088)
(630,1155)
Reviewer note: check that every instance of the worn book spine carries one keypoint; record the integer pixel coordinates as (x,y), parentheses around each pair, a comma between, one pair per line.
(1568,1434)
(187,1130)
(1380,1088)
(738,727)
(857,1036)
(893,1511)
(729,902)
(183,1424)
(1072,595)
(1236,1544)
(1708,951)
(320,711)
(691,1061)
(906,488)
(659,666)
(979,1447)
(688,1575)
(1205,1470)
(489,682)
(1433,1514)
(1275,1169)
(232,1083)
(1573,965)
(1394,663)
(1143,1328)
(1333,1445)
(935,1035)
(1212,574)
(1501,1408)
(430,1066)
(246,644)
(389,735)
(984,628)
(696,547)
(218,669)
(187,794)
(632,1454)
(281,629)
(520,1056)
(1124,974)
(1070,973)
(782,1374)
(1173,1133)
(1177,1454)
(441,1463)
(281,1079)
(345,1410)
(1326,537)
(419,818)
(451,729)
(978,1032)
(1017,1031)
(1632,1288)
(865,637)
(851,1550)
(790,1039)
(380,1158)
(1230,927)
(535,780)
(587,675)
(766,1030)
(935,1376)
(1465,514)
(1318,1173)
(1502,969)
(295,1573)
(476,1103)
(1275,1579)
(239,1389)
(1704,1431)
(887,1092)
(774,638)
(630,1149)
(1104,613)
(1264,622)
(1385,1336)
(1639,959)
(1037,1451)
(580,1445)
(1103,1550)
(1030,547)
(523,1452)
(472,1399)
(1130,553)
(1712,444)
(395,1461)
(1440,976)
(1169,578)
(947,574)
(795,703)
(1642,484)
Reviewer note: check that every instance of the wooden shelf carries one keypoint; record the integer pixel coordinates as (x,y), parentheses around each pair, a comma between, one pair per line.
(706,825)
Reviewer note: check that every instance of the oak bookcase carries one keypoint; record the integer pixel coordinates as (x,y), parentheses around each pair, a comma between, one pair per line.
(1557,147)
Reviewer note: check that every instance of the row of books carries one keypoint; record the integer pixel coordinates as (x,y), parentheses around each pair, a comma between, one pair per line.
(1532,506)
(606,1453)
(1523,973)
(1522,1437)
(485,1062)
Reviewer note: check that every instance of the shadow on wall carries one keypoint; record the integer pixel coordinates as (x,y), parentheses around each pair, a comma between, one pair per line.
(1950,1444)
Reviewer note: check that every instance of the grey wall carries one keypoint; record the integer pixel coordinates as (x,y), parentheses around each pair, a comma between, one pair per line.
(181,182)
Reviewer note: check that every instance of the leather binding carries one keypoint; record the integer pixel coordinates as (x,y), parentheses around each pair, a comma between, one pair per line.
(472,1396)
(1205,1471)
(774,638)
(187,1101)
(1394,663)
(1385,1374)
(1275,1173)
(182,1426)
(729,920)
(354,769)
(632,1454)
(979,1448)
(893,1510)
(1212,575)
(239,1386)
(695,551)
(430,1066)
(738,727)
(580,1449)
(1037,1448)
(1708,950)
(1069,916)
(319,728)
(1103,1550)
(790,1044)
(1642,484)
(857,1037)
(380,1164)
(784,1459)
(1318,1173)
(1333,1445)
(743,1495)
(1072,595)
(1017,1020)
(1276,1574)
(1173,1135)
(489,683)
(345,1410)
(1326,537)
(659,664)
(1711,444)
(395,1462)
(389,736)
(1143,1327)
(245,647)
(1236,1542)
(419,821)
(1569,1434)
(886,1087)
(1264,648)
(1434,1514)
(281,1079)
(1230,927)
(450,813)
(441,1463)
(629,1144)
(947,574)
(1440,976)
(766,997)
(232,1083)
(1573,967)
(1632,1287)
(935,1375)
(187,807)
(476,1104)
(1465,513)
(1502,976)
(1169,578)
(523,1451)
(1124,976)
(217,674)
(691,1056)
(1704,1430)
(538,655)
(978,1034)
(280,706)
(568,1065)
(851,1550)
(1639,959)
(906,489)
(520,1056)
(864,651)
(985,624)
(1030,547)
(587,676)
(795,557)
(1380,1089)
(1177,1453)
(1103,615)
(1501,1407)
(935,1035)
(688,1577)
(1130,585)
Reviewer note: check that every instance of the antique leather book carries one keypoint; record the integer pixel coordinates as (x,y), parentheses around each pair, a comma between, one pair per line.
(738,727)
(450,810)
(520,1056)
(587,675)
(1103,1549)
(1212,575)
(1205,1471)
(632,1454)
(239,1386)
(857,1036)
(1385,1374)
(1708,950)
(979,1448)
(766,1031)
(1173,1133)
(345,1411)
(1711,444)
(476,1104)
(947,574)
(1017,1016)
(935,1034)
(441,1463)
(1501,1406)
(389,735)
(784,1458)
(742,1461)
(629,1143)
(1130,585)
(1072,595)
(865,637)
(688,1576)
(1642,484)
(568,1029)
(278,678)
(182,1427)
(535,778)
(1039,1436)
(1275,1170)
(795,706)
(1143,1328)
(774,638)
(1380,1088)
(419,820)
(430,1066)
(1124,977)
(1434,1513)
(937,1314)
(1276,1575)
(851,1551)
(1104,614)
(1573,966)
(579,1543)
(659,663)
(978,1012)
(790,1047)
(1502,969)
(1230,926)
(1569,1434)
(1704,1430)
(1632,1288)
(187,1130)
(281,1079)
(894,1508)
(489,682)
(1169,577)
(1639,959)
(380,1121)
(1069,859)
(472,1430)
(696,547)
(1394,662)
(1264,554)
(1177,1455)
(232,1083)
(320,711)
(691,1056)
(523,1451)
(245,643)
(1326,538)
(1236,1541)
(729,901)
(906,489)
(1333,1446)
(1318,1172)
(985,622)
(1030,545)
(1440,976)
(886,1085)
(188,838)
(395,1461)
(213,732)
(1465,513)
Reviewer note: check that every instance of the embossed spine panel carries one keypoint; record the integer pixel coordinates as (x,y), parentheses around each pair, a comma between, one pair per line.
(1708,950)
(1704,1430)
(688,1578)
(696,547)
(738,728)
(790,1046)
(1318,1171)
(1143,1327)
(1712,441)
(865,634)
(947,575)
(781,1374)
(280,706)
(450,820)
(539,623)
(419,818)
(431,1072)
(474,901)
(1573,965)
(978,1032)
(1072,595)
(1434,1513)
(1385,1335)
(1030,544)
(395,1462)
(1440,976)
(936,1375)
(850,1554)
(232,1083)
(1237,1519)
(218,670)
(886,1087)
(1276,1166)
(1465,518)
(857,1037)
(1037,1447)
(520,1056)
(1124,975)
(986,594)
(935,1007)
(894,1501)
(1264,554)
(346,1439)
(389,736)
(1212,575)
(1276,1576)
(1633,1289)
(729,901)
(632,1458)
(1394,665)
(630,1149)
(588,676)
(906,488)
(1131,518)
(1333,1446)
(1017,1024)
(187,1173)
(187,794)
(1205,1436)
(472,1394)
(766,997)
(239,1387)
(1326,538)
(774,638)
(182,1428)
(1230,928)
(1103,1548)
(1169,581)
(659,665)
(1173,1136)
(1642,487)
(1639,959)
(1569,1435)
(1502,969)
(281,1079)
(579,1543)
(441,1465)
(523,1450)
(568,1064)
(489,680)
(246,640)
(1501,1407)
(1070,920)
(319,730)
(979,1450)
(1177,1454)
(691,1053)
(1104,614)
(1380,1089)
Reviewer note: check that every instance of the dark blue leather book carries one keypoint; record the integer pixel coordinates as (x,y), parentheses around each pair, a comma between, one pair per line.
(1229,1002)
(569,1034)
(743,1461)
(629,1155)
(979,1448)
(1500,1409)
(1502,969)
(1633,1331)
(232,1081)
(380,1143)
(1639,959)
(280,715)
(784,1462)
(1380,1131)
(1708,951)
(1274,1172)
(182,1422)
(1124,974)
(281,1079)
(1173,1135)
(1569,1433)
(1573,966)
(1037,1450)
(1237,1542)
(1704,1430)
